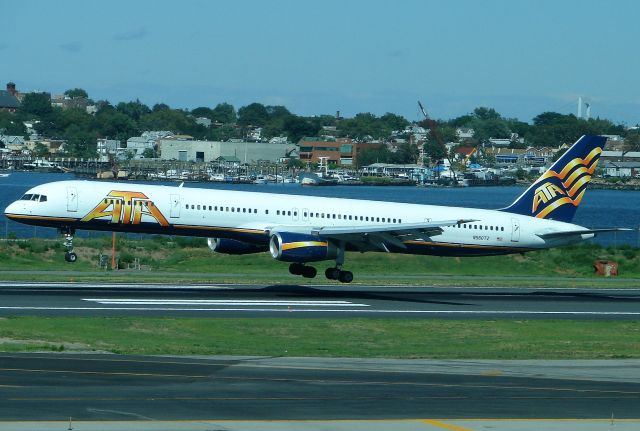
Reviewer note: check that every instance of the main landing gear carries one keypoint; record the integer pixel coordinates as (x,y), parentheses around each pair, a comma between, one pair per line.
(331,273)
(303,270)
(69,256)
(335,273)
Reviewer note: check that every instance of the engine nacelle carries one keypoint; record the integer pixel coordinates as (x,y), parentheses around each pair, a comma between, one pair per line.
(232,246)
(299,247)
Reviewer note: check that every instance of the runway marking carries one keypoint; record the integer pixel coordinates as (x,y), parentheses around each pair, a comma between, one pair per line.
(245,302)
(444,425)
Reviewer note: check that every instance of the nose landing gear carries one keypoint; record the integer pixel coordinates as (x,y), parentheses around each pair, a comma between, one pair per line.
(70,255)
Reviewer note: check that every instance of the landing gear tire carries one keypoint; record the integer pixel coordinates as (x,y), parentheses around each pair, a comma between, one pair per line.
(296,268)
(345,276)
(303,270)
(332,273)
(309,272)
(70,257)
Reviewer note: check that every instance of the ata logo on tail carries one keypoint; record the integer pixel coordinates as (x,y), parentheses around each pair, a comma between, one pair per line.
(126,208)
(566,186)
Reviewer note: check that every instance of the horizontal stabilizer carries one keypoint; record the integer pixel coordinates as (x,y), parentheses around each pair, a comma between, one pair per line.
(566,233)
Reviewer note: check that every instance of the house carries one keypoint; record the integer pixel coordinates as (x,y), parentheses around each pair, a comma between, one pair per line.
(148,140)
(12,140)
(8,98)
(621,169)
(204,121)
(464,133)
(108,146)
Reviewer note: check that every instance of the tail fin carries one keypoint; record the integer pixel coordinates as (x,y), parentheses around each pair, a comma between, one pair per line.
(558,192)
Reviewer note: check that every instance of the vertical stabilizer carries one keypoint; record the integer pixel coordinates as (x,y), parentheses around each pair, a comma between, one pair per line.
(558,192)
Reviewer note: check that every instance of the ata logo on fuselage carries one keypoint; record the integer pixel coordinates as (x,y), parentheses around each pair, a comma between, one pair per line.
(126,208)
(544,194)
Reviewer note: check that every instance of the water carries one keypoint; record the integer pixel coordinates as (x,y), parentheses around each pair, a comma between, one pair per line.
(599,208)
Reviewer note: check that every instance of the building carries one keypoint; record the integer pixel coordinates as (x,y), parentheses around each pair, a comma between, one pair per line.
(464,133)
(621,169)
(211,151)
(148,140)
(341,151)
(9,98)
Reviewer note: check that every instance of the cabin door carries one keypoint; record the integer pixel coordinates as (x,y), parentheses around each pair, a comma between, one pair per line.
(515,230)
(175,206)
(72,199)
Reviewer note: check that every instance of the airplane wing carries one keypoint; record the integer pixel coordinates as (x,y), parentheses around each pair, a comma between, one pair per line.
(561,234)
(374,237)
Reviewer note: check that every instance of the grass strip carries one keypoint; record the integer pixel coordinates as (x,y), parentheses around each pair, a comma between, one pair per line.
(365,338)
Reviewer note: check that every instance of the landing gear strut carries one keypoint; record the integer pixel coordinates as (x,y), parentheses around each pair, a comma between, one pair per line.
(303,270)
(337,273)
(69,256)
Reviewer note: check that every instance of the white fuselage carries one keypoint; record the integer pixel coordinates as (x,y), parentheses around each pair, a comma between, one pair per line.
(251,216)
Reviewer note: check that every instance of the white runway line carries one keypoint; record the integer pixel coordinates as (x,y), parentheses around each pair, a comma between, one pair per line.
(222,302)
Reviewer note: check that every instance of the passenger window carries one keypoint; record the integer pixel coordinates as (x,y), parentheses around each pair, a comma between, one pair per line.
(266,211)
(288,212)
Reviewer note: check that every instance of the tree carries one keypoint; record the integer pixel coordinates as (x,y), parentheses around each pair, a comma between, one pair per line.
(434,151)
(224,113)
(40,150)
(134,110)
(297,128)
(202,112)
(254,114)
(149,153)
(38,104)
(632,141)
(10,124)
(112,123)
(76,93)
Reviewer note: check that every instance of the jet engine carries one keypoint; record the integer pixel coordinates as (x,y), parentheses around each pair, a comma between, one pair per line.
(232,246)
(298,247)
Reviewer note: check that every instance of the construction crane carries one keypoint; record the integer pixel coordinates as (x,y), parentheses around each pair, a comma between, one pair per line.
(432,125)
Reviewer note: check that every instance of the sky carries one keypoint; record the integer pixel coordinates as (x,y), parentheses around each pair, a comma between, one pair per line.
(519,57)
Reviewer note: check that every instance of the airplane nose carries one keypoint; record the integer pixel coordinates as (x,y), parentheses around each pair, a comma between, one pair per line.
(11,209)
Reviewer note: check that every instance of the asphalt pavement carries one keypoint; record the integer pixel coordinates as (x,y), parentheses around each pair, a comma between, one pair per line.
(300,301)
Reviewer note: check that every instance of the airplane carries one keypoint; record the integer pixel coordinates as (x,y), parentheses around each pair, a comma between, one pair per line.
(305,229)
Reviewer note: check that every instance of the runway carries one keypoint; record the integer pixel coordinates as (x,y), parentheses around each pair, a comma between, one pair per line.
(300,301)
(54,387)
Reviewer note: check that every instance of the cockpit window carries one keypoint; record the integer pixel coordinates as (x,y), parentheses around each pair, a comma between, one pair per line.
(34,197)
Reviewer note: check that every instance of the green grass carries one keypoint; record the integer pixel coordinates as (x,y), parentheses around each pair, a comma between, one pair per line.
(381,338)
(189,260)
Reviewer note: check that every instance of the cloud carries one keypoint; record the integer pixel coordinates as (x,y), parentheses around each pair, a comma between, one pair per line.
(71,46)
(135,34)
